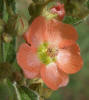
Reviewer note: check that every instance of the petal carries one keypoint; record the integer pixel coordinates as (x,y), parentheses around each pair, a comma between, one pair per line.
(30,74)
(70,45)
(66,43)
(35,34)
(28,60)
(65,79)
(57,31)
(52,77)
(69,61)
(74,48)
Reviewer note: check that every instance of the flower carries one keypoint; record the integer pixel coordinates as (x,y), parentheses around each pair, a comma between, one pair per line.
(59,10)
(53,53)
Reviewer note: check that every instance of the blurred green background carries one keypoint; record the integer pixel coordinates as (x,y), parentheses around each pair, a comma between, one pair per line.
(78,87)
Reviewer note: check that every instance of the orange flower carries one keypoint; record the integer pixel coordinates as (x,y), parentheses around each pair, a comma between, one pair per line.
(59,10)
(53,53)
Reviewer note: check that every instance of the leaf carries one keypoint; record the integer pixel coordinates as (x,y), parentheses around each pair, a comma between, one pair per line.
(12,4)
(8,9)
(87,4)
(73,8)
(7,91)
(5,12)
(22,7)
(11,54)
(1,7)
(1,53)
(5,70)
(24,93)
(71,20)
(21,95)
(33,95)
(38,1)
(2,26)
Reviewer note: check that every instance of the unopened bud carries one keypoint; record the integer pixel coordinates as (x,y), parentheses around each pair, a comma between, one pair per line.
(59,10)
(7,38)
(21,25)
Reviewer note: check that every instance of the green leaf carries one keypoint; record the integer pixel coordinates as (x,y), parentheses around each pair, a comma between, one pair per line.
(11,53)
(1,7)
(71,20)
(6,70)
(12,3)
(2,26)
(5,12)
(38,1)
(7,91)
(73,8)
(87,4)
(8,9)
(24,95)
(33,95)
(1,49)
(22,8)
(36,9)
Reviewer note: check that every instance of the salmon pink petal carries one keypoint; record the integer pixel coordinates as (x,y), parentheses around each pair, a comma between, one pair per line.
(35,34)
(66,43)
(74,48)
(70,45)
(30,74)
(28,60)
(57,31)
(52,77)
(65,79)
(69,62)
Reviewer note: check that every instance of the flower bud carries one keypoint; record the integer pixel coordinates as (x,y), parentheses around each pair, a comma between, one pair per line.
(21,25)
(59,10)
(7,38)
(16,25)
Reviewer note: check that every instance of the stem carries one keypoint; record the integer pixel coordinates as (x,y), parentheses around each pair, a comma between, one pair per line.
(17,92)
(1,49)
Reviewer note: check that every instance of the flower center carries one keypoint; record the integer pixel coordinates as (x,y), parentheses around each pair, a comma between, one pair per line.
(52,52)
(47,54)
